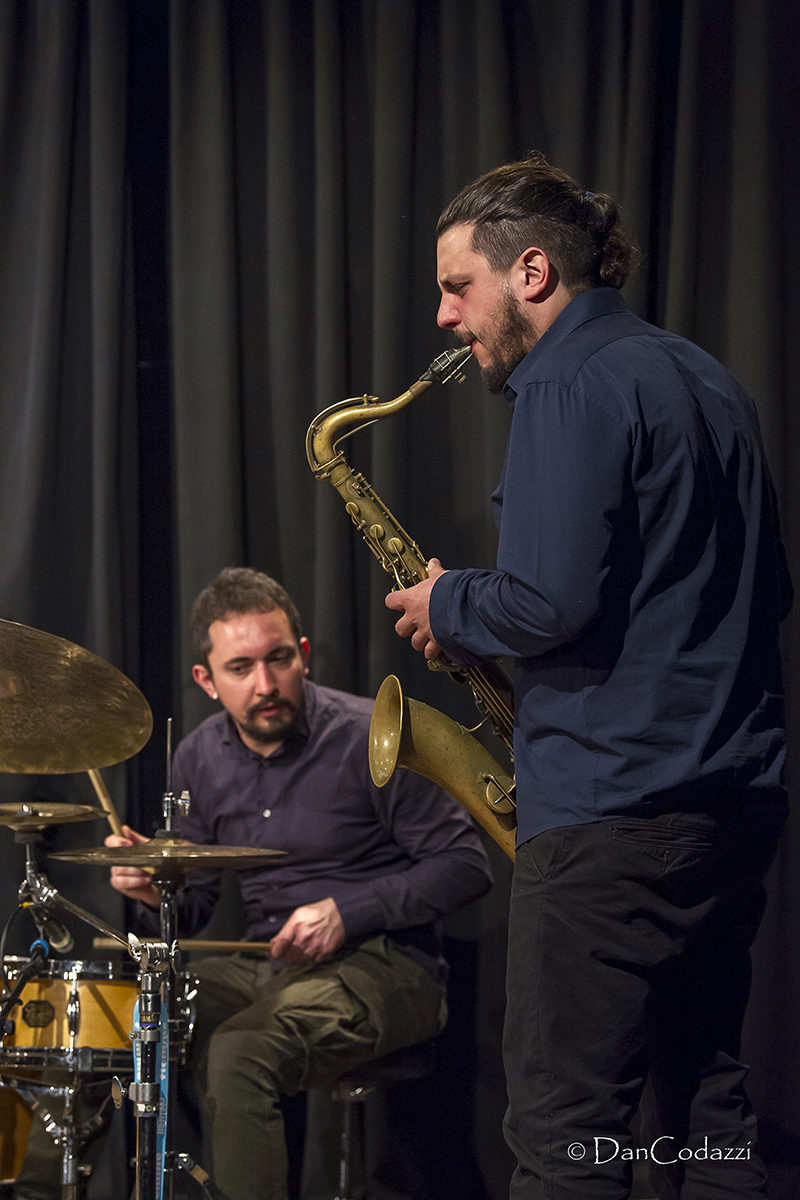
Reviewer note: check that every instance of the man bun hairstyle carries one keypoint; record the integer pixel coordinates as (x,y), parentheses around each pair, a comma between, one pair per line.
(238,590)
(530,203)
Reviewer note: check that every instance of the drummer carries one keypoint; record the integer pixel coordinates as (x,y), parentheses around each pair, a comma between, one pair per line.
(351,910)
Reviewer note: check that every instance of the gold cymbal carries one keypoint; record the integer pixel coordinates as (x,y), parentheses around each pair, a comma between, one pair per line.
(173,853)
(63,709)
(31,814)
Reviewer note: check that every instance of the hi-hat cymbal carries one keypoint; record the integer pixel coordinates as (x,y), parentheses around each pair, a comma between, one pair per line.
(63,709)
(31,814)
(172,853)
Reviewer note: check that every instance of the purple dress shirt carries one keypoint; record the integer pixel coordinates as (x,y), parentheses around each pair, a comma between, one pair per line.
(394,859)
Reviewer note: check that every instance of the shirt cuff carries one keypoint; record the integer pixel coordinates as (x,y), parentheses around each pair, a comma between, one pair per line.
(360,917)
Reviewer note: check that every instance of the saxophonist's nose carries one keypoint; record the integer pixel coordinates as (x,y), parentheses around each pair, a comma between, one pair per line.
(448,315)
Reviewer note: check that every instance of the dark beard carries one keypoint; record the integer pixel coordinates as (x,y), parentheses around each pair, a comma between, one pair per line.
(514,338)
(269,736)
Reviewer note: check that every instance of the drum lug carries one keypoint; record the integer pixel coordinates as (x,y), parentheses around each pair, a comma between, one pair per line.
(73,1010)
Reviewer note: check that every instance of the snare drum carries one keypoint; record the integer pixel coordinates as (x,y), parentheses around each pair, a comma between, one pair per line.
(75,1016)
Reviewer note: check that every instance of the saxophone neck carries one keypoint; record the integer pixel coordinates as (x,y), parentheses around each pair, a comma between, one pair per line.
(328,427)
(326,430)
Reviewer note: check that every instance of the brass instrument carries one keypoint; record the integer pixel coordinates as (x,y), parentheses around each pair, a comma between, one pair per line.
(427,742)
(407,733)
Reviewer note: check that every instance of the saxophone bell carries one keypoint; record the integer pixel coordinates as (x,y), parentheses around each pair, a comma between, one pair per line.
(407,733)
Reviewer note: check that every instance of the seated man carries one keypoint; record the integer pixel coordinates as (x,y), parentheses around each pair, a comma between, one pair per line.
(355,970)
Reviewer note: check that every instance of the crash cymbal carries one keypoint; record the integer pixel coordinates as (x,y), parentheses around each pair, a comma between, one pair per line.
(63,709)
(174,853)
(34,815)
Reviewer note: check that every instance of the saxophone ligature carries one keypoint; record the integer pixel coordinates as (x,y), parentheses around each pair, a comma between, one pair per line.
(405,732)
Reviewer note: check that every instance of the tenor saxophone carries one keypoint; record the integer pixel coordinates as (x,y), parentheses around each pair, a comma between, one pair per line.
(404,732)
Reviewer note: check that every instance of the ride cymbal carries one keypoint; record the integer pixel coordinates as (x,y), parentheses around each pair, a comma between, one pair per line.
(174,853)
(62,708)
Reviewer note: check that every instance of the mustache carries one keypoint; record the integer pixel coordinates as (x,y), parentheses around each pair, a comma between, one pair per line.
(273,702)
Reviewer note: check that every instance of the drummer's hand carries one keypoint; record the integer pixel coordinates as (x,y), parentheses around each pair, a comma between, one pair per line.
(133,883)
(312,934)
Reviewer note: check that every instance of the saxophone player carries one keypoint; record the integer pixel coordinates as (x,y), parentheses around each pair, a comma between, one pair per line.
(640,584)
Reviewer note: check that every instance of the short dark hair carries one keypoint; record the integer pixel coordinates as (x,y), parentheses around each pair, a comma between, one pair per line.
(530,203)
(238,590)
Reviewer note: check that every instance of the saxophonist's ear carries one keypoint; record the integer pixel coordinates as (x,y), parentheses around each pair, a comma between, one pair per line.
(533,272)
(305,651)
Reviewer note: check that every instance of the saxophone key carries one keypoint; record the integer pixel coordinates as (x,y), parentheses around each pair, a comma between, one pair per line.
(500,793)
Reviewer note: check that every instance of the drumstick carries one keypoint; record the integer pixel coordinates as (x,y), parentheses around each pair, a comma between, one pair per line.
(106,943)
(104,798)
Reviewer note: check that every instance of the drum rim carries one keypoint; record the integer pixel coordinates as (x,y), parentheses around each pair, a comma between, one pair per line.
(99,1058)
(86,968)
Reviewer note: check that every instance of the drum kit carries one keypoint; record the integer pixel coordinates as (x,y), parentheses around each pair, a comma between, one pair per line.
(94,1029)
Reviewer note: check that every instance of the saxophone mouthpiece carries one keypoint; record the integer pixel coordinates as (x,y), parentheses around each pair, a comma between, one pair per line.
(448,366)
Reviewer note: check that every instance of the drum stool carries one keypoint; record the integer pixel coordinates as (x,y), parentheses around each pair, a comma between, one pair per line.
(412,1062)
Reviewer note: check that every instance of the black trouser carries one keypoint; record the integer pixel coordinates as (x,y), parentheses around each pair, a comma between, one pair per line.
(629,955)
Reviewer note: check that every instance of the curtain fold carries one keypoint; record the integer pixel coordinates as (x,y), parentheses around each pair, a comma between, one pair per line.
(38,99)
(205,309)
(68,526)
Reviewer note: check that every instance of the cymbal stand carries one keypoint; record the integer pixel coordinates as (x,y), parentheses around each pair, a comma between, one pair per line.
(145,1092)
(153,958)
(37,893)
(168,881)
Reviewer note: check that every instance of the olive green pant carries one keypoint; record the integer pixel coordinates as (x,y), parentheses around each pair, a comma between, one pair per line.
(262,1034)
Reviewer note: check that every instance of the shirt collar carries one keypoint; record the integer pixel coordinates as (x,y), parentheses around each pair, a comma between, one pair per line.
(597,302)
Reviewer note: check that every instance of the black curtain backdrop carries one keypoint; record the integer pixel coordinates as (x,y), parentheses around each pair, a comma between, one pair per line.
(216,219)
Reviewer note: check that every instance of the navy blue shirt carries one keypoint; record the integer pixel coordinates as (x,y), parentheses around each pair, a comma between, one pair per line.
(395,859)
(640,577)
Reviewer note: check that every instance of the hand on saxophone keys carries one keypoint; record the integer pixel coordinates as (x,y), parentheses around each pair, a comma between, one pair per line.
(414,604)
